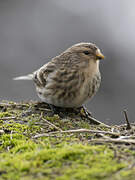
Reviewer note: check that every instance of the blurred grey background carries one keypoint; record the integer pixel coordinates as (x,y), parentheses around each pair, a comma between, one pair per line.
(34,31)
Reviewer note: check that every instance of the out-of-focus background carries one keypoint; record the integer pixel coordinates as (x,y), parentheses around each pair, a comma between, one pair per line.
(34,31)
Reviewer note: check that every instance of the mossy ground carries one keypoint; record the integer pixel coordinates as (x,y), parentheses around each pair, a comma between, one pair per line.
(61,156)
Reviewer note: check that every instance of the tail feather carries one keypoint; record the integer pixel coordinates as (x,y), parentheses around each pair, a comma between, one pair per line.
(27,77)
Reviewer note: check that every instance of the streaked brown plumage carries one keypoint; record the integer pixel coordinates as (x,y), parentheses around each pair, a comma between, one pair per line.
(71,78)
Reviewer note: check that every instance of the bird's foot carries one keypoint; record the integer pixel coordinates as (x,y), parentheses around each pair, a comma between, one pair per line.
(57,110)
(54,109)
(85,113)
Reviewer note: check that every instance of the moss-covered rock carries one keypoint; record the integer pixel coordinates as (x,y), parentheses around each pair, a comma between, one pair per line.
(60,156)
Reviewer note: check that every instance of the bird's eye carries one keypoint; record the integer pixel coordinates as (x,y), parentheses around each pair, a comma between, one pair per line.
(86,52)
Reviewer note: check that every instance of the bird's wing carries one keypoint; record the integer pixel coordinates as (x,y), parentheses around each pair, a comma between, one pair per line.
(41,75)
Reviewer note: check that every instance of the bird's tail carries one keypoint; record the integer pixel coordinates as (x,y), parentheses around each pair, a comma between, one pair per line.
(27,77)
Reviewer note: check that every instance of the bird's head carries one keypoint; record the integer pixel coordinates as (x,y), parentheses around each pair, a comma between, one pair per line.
(86,51)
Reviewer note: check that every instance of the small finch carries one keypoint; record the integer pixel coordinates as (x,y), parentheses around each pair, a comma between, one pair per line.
(69,79)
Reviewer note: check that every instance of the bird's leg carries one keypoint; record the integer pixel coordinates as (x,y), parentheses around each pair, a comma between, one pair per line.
(84,111)
(54,109)
(57,110)
(87,114)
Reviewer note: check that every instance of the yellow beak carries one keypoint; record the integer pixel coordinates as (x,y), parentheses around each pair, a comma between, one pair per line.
(99,55)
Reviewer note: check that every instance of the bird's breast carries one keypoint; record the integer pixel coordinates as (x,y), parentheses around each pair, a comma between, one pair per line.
(93,85)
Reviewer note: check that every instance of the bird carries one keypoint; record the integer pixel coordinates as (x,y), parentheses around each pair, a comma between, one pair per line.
(69,79)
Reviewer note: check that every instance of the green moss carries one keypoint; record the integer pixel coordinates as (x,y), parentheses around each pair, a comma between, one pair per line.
(4,114)
(29,129)
(128,174)
(78,161)
(62,157)
(53,118)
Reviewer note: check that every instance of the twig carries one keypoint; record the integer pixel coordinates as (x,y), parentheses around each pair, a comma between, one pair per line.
(41,135)
(7,104)
(49,135)
(126,118)
(51,124)
(11,135)
(44,109)
(102,135)
(86,131)
(14,104)
(110,140)
(127,137)
(7,118)
(77,131)
(1,132)
(93,120)
(97,122)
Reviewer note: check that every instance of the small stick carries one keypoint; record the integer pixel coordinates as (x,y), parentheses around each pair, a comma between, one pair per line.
(1,132)
(103,136)
(86,131)
(44,109)
(77,131)
(7,104)
(48,135)
(126,118)
(14,104)
(11,135)
(51,124)
(7,118)
(120,141)
(97,122)
(92,119)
